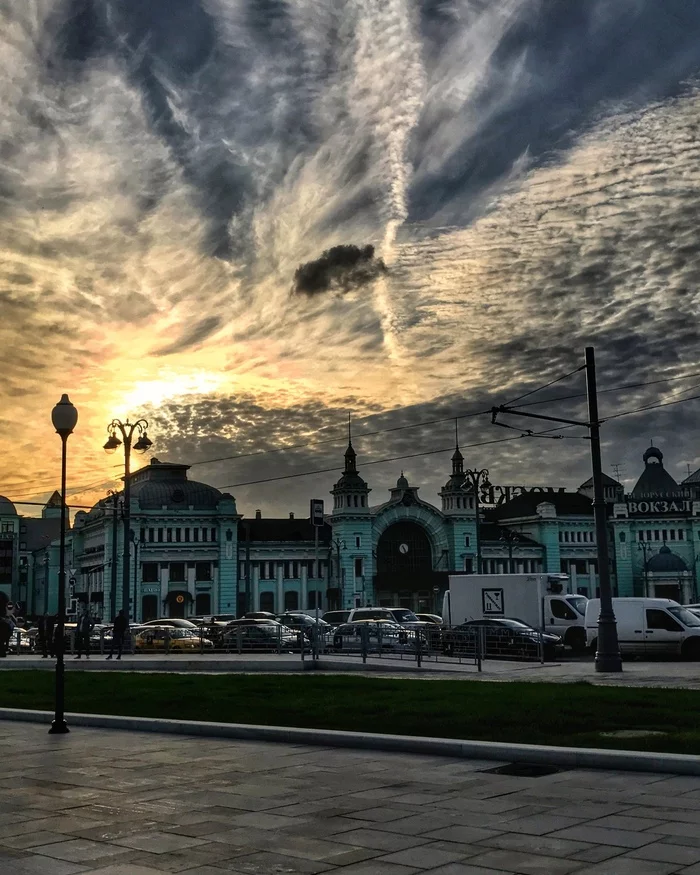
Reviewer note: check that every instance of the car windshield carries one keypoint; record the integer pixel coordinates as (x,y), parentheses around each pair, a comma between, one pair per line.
(578,602)
(688,618)
(401,615)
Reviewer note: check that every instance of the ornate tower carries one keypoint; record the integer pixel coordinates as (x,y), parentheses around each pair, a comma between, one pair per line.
(353,564)
(458,507)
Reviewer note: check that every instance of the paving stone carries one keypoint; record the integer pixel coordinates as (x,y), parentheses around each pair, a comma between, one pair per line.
(425,857)
(466,834)
(627,866)
(665,853)
(262,863)
(540,824)
(375,868)
(78,850)
(31,840)
(158,842)
(623,821)
(374,838)
(537,845)
(528,864)
(599,835)
(42,866)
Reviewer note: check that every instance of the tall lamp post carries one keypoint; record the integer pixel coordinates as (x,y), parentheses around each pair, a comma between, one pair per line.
(645,548)
(477,479)
(510,537)
(339,545)
(127,430)
(136,543)
(64,417)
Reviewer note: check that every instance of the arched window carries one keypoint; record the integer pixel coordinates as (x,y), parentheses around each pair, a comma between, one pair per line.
(623,537)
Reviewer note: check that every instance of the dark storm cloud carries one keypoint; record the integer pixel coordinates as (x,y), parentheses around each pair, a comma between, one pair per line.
(340,267)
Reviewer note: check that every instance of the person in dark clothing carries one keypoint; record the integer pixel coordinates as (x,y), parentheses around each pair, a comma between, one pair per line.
(82,634)
(119,632)
(6,623)
(45,626)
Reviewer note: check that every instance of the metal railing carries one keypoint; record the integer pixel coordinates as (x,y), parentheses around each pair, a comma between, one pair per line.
(473,645)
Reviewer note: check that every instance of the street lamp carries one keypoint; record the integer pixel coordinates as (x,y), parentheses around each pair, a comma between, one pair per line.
(339,544)
(644,547)
(136,543)
(64,417)
(477,479)
(127,430)
(510,537)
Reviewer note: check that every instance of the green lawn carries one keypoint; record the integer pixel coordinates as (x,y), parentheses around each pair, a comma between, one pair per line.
(563,714)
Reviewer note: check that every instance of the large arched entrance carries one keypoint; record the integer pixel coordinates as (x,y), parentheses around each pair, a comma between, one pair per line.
(405,568)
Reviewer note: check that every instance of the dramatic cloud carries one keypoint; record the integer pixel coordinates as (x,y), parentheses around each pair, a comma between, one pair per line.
(527,170)
(341,267)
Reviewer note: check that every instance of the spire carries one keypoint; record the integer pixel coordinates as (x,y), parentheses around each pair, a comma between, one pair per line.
(457,457)
(350,454)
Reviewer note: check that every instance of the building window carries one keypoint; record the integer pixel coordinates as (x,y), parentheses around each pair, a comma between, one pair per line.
(195,532)
(22,545)
(681,535)
(466,541)
(468,562)
(267,602)
(160,535)
(169,535)
(241,571)
(287,570)
(315,600)
(204,534)
(213,534)
(177,572)
(358,541)
(151,535)
(623,537)
(142,536)
(150,572)
(202,570)
(178,534)
(187,536)
(358,567)
(672,535)
(657,536)
(291,601)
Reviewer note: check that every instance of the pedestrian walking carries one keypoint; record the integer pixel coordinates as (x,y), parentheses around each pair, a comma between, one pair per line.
(85,626)
(7,623)
(119,633)
(45,626)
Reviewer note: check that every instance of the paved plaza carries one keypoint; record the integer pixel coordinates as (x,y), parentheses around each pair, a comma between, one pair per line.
(130,803)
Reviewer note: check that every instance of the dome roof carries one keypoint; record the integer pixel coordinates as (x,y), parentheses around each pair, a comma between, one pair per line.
(666,562)
(402,482)
(7,507)
(175,494)
(653,453)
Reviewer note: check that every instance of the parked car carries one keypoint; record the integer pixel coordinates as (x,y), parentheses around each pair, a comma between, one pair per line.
(649,627)
(260,636)
(402,616)
(259,615)
(214,631)
(502,636)
(169,638)
(436,619)
(335,618)
(304,623)
(378,635)
(172,622)
(21,642)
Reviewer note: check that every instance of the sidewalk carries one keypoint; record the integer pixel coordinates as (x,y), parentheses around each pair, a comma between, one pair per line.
(644,674)
(129,803)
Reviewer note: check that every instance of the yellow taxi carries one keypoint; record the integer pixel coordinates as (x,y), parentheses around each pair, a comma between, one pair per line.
(164,638)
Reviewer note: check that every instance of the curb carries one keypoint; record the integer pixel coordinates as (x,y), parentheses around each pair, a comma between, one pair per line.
(563,757)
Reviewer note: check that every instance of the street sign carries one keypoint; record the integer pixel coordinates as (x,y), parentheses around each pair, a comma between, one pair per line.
(316,512)
(71,581)
(492,601)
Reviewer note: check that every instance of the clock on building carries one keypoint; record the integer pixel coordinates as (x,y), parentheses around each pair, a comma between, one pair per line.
(403,548)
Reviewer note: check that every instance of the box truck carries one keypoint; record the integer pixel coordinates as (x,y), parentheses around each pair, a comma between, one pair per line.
(647,626)
(541,600)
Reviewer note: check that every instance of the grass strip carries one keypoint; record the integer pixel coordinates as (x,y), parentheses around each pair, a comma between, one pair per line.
(532,713)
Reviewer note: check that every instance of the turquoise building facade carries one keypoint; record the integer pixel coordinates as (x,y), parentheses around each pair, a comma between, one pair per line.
(194,554)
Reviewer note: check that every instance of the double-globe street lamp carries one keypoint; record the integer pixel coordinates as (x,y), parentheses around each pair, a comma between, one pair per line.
(127,430)
(477,480)
(64,417)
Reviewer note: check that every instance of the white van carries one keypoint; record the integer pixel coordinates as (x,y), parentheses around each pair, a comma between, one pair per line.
(649,626)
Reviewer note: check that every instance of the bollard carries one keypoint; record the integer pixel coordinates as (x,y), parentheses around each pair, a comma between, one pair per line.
(102,642)
(201,640)
(419,644)
(167,640)
(239,637)
(302,643)
(540,641)
(480,646)
(364,636)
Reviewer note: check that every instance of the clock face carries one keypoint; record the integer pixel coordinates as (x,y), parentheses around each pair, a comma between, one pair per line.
(403,548)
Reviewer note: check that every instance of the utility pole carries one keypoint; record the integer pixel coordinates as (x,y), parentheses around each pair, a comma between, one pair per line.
(607,657)
(248,587)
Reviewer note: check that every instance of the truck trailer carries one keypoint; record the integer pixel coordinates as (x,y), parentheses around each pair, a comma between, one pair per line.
(540,600)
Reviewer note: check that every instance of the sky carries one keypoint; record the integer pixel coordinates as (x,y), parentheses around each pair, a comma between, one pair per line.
(246,219)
